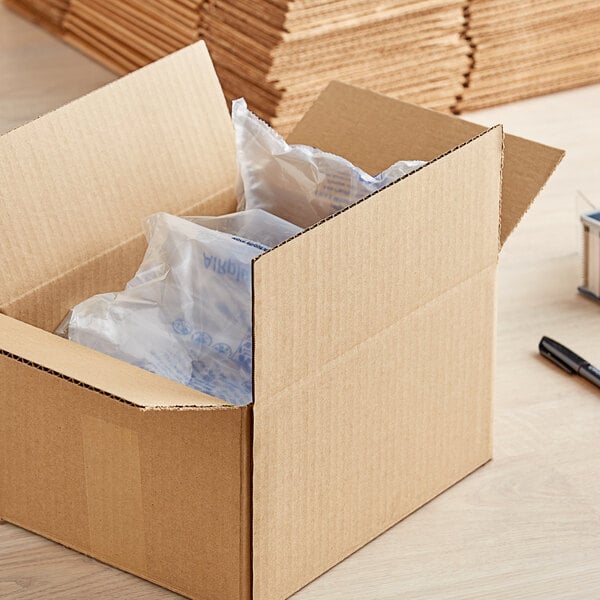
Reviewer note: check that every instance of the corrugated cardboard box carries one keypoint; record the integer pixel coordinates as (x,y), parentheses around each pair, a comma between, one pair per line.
(373,336)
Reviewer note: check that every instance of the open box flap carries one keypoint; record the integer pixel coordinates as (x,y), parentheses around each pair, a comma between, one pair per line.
(374,131)
(78,181)
(93,370)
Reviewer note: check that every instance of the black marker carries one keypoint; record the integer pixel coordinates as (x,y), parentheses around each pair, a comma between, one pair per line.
(569,361)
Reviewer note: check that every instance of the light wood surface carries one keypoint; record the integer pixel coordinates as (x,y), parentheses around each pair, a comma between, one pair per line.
(527,525)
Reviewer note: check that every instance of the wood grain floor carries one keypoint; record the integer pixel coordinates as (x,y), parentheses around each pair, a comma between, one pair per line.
(527,525)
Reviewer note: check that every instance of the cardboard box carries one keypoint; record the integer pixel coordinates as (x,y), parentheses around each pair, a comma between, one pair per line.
(373,336)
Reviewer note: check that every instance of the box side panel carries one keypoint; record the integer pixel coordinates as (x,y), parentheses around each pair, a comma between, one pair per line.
(160,494)
(80,179)
(373,436)
(373,357)
(390,130)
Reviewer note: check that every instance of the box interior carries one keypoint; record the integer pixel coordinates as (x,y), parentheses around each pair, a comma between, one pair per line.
(162,139)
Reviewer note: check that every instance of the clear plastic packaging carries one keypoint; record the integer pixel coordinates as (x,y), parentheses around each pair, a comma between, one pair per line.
(255,224)
(187,313)
(298,183)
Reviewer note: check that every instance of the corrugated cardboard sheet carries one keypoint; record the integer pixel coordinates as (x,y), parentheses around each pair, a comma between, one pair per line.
(373,394)
(77,183)
(116,378)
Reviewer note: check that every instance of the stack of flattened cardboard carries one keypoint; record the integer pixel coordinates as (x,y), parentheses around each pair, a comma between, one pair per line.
(128,35)
(280,54)
(450,55)
(527,49)
(48,13)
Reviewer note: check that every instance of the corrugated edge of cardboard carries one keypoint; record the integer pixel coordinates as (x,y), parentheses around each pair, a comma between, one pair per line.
(98,372)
